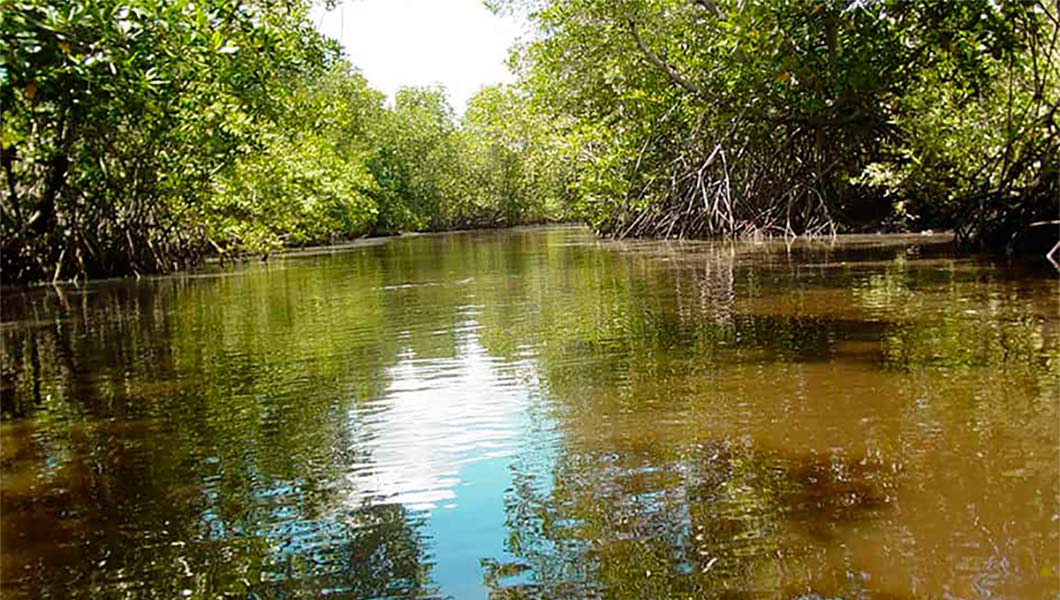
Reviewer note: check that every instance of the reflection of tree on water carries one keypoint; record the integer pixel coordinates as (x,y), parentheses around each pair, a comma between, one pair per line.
(222,435)
(199,434)
(100,525)
(372,552)
(162,438)
(724,519)
(648,516)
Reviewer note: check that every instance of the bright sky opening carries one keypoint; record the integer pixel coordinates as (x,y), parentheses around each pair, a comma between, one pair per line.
(457,43)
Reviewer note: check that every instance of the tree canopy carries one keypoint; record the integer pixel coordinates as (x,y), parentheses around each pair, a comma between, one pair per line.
(142,136)
(737,117)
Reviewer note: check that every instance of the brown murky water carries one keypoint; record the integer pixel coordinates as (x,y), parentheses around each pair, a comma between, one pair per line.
(538,413)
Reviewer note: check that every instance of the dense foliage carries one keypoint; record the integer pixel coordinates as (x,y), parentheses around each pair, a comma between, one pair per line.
(117,118)
(707,117)
(139,136)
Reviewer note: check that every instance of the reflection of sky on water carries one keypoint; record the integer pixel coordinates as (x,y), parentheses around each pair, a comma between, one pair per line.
(442,442)
(634,420)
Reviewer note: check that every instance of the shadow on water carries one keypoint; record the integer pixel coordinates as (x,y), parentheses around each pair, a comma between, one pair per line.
(188,437)
(538,414)
(728,520)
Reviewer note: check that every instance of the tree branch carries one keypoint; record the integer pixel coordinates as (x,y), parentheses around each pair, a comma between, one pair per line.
(661,64)
(710,6)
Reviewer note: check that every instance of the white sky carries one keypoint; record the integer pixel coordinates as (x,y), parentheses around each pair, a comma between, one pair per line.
(457,43)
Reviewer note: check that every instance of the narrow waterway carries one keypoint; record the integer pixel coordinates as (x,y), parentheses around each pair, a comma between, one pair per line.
(539,413)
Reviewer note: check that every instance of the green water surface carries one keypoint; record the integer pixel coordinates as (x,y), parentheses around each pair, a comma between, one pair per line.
(539,413)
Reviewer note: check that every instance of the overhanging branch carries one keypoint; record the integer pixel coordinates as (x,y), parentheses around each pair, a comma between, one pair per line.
(665,67)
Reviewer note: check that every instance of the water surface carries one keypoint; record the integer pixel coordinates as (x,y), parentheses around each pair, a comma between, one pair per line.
(539,413)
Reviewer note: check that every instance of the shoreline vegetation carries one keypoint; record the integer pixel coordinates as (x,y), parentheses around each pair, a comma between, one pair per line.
(141,137)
